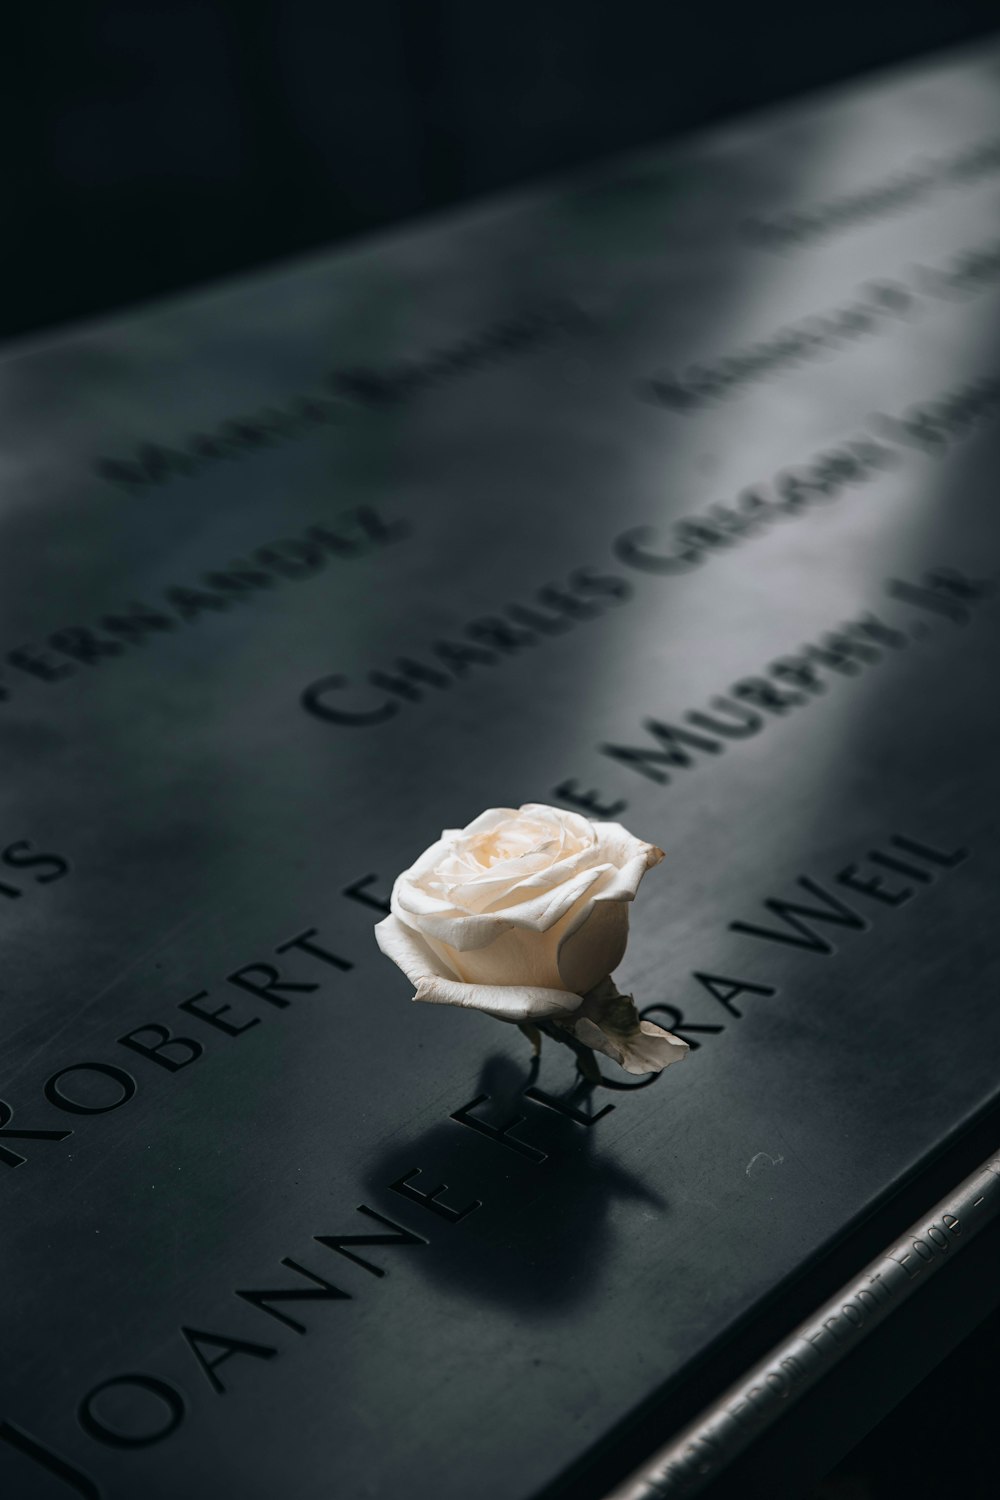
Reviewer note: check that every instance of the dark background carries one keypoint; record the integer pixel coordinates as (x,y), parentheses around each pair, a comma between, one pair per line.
(946,1427)
(156,143)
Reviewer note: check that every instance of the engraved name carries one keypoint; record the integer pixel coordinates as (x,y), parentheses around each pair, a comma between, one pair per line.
(824,906)
(23,866)
(157,1407)
(823,333)
(366,388)
(931,427)
(482,642)
(296,967)
(966,273)
(357,533)
(752,705)
(377,695)
(894,194)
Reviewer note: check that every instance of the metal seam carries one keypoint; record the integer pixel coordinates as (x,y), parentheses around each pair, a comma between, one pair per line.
(702,1449)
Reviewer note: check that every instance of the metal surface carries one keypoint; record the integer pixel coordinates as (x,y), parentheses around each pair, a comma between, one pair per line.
(693,1459)
(486,454)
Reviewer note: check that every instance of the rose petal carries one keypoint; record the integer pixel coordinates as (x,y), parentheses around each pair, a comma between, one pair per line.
(648,1050)
(620,846)
(609,1023)
(574,823)
(529,960)
(505,1002)
(466,931)
(549,886)
(492,818)
(593,945)
(409,951)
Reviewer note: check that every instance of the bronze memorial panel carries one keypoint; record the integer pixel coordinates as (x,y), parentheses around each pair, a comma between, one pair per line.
(667,493)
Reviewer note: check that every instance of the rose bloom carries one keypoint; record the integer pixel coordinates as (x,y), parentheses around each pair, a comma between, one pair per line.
(523,915)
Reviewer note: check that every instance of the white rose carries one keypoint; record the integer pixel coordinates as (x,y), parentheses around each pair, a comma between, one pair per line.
(523,915)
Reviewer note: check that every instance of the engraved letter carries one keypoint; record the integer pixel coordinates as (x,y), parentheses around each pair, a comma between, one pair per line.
(356,892)
(745,723)
(303,941)
(24,1443)
(214,1017)
(563,1107)
(589,802)
(872,885)
(314,702)
(928,853)
(159,1052)
(632,548)
(499,1133)
(431,1200)
(726,990)
(790,913)
(677,1024)
(400,1237)
(672,753)
(168,1394)
(195,1338)
(325,1291)
(125,1082)
(17,860)
(271,985)
(12,1158)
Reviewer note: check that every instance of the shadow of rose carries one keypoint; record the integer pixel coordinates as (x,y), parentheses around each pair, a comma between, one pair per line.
(523,1194)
